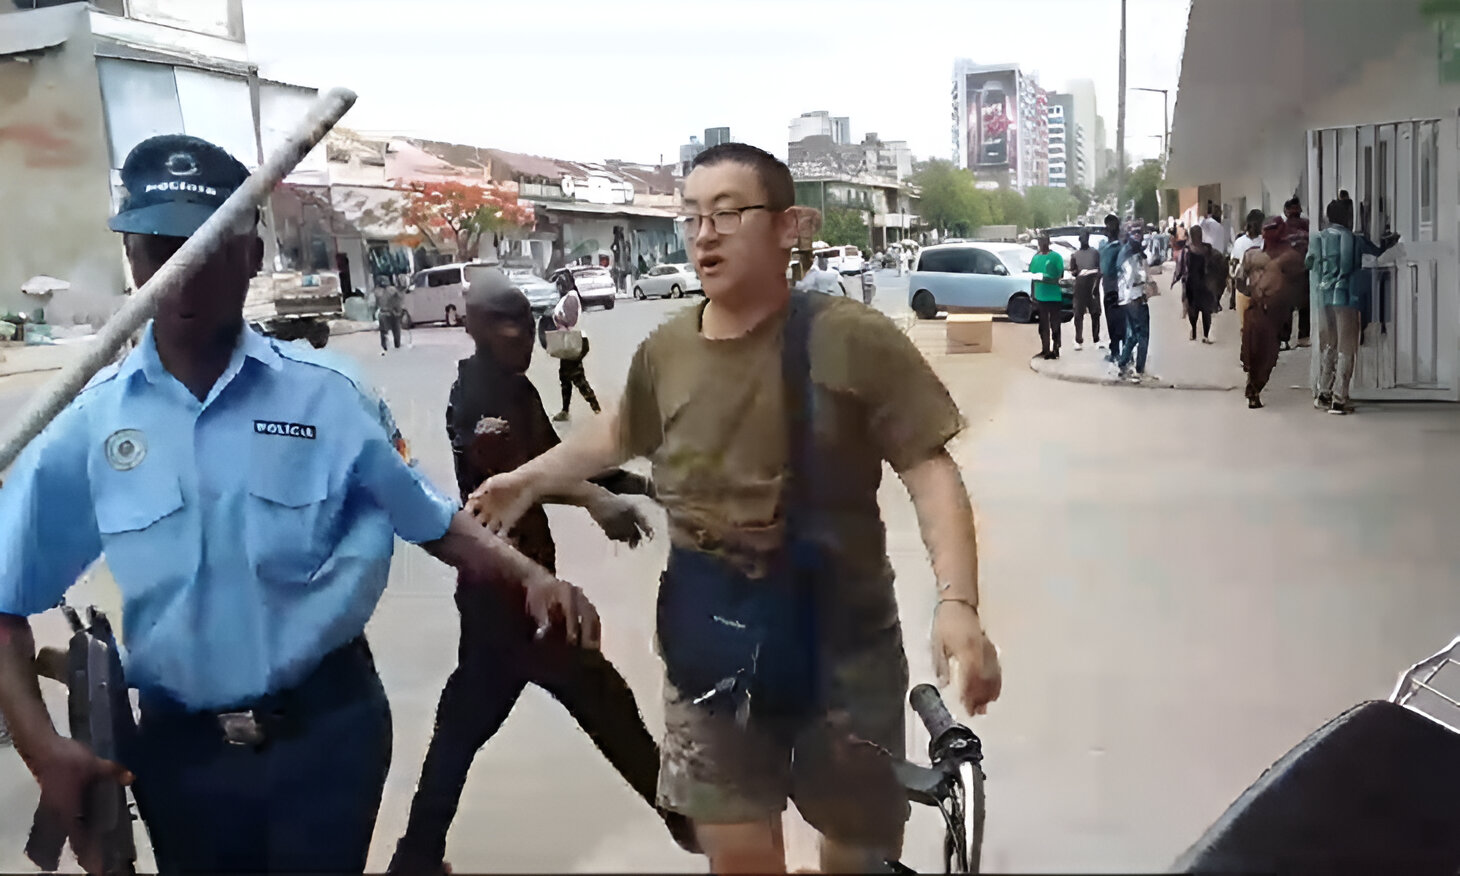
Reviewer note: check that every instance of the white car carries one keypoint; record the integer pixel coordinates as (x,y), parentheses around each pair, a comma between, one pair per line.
(669,280)
(594,285)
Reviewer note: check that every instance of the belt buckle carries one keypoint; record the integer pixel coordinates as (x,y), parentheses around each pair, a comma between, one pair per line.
(242,728)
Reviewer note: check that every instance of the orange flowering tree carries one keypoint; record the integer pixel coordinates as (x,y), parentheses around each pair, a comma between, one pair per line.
(453,216)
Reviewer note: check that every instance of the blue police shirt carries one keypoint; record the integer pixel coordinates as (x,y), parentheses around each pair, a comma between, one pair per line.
(250,534)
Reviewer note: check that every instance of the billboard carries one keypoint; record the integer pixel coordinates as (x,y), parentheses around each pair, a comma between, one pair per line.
(993,120)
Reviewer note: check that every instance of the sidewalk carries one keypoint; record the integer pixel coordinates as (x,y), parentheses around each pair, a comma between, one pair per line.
(1175,361)
(22,359)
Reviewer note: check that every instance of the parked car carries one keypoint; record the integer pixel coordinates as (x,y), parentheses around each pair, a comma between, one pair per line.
(976,278)
(435,295)
(542,295)
(595,285)
(672,280)
(844,259)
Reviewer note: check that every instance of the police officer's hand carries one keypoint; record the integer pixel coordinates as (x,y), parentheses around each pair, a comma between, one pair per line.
(958,636)
(65,770)
(501,501)
(621,520)
(551,601)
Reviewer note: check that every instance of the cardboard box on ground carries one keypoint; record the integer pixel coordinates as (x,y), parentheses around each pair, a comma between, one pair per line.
(970,333)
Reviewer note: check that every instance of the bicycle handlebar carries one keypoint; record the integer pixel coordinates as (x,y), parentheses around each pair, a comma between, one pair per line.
(946,737)
(928,704)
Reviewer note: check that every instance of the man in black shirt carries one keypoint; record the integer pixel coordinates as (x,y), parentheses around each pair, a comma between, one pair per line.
(496,422)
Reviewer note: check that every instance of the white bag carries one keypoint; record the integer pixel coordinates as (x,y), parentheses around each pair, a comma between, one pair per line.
(565,344)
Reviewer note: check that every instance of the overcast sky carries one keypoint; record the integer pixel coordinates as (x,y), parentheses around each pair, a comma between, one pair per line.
(634,79)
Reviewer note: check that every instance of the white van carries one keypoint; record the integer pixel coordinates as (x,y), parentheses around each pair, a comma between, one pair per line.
(844,259)
(436,295)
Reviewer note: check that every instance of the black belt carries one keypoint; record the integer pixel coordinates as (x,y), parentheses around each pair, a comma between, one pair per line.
(334,683)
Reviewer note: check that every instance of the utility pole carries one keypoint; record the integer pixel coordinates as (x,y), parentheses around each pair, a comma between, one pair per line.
(1165,121)
(1120,126)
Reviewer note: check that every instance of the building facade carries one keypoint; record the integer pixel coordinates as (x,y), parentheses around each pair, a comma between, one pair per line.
(866,178)
(821,123)
(1000,125)
(1064,152)
(97,79)
(1083,124)
(1368,108)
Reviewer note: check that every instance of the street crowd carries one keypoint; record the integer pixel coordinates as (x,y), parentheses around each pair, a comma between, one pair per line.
(247,495)
(1271,275)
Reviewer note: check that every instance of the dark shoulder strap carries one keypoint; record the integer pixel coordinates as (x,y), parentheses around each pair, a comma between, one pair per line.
(800,402)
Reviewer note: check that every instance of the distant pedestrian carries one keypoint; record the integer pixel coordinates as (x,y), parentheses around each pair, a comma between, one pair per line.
(1132,280)
(1276,275)
(869,286)
(571,373)
(1334,258)
(1241,291)
(1085,265)
(821,279)
(1110,286)
(389,306)
(1047,267)
(1198,296)
(1297,237)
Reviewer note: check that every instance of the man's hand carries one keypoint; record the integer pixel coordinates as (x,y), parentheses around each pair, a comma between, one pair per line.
(550,600)
(621,520)
(958,636)
(500,502)
(66,770)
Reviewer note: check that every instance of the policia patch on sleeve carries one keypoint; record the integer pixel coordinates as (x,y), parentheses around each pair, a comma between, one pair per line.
(284,430)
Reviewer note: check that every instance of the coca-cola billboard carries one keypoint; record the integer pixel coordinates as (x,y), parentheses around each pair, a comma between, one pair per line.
(993,120)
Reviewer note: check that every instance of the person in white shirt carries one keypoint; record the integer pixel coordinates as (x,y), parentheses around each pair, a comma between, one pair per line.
(1131,288)
(1213,231)
(1237,271)
(821,279)
(571,374)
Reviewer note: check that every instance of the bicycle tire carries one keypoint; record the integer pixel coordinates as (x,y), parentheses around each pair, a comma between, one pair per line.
(971,774)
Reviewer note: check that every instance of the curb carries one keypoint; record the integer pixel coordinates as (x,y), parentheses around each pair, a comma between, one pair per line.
(1039,367)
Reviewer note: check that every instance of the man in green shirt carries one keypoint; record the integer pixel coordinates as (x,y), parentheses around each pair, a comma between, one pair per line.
(1047,268)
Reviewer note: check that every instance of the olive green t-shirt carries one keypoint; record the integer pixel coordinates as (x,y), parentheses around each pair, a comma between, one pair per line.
(711,417)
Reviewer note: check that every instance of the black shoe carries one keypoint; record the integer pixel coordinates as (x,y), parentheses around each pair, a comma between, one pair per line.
(1323,402)
(1253,403)
(405,863)
(1055,354)
(1339,408)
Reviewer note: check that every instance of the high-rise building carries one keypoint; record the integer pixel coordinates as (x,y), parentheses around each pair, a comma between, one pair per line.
(687,152)
(821,123)
(1086,113)
(1104,156)
(1000,125)
(1063,157)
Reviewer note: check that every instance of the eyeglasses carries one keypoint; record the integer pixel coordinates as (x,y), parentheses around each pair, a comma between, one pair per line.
(724,221)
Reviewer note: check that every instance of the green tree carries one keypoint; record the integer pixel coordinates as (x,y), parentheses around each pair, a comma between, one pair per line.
(841,226)
(1083,199)
(1141,186)
(1010,208)
(949,199)
(1049,206)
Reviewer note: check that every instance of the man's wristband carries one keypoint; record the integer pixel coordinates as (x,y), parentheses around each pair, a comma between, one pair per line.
(968,602)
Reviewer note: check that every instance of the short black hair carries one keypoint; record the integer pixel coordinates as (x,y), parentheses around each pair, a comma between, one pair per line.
(775,176)
(1337,212)
(1293,202)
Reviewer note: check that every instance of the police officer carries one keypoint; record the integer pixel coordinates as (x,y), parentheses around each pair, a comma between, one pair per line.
(246,494)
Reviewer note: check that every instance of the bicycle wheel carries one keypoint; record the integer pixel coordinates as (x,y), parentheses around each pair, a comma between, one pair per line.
(971,778)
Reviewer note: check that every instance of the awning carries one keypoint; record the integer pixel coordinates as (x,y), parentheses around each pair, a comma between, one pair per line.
(38,29)
(604,209)
(1250,67)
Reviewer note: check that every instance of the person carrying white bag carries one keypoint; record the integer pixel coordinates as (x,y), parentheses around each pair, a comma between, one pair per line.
(570,347)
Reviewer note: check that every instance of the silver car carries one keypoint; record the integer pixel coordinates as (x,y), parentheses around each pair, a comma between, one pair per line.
(669,280)
(542,295)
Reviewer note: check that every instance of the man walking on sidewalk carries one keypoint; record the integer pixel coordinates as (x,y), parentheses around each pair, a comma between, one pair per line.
(1047,268)
(1085,265)
(1297,237)
(1110,286)
(1133,293)
(390,304)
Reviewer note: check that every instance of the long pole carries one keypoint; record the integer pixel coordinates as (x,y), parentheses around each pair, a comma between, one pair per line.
(1120,125)
(64,387)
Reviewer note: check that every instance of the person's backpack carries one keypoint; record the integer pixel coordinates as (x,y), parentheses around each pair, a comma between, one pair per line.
(746,644)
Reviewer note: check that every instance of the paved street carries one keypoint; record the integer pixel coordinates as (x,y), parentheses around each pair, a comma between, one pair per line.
(1181,589)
